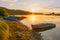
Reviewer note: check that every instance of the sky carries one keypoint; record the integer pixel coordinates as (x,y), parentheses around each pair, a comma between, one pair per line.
(37,5)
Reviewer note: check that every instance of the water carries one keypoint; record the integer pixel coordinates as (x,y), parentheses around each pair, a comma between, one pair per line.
(53,34)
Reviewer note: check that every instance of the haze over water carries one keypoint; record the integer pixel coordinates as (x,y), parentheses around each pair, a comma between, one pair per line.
(52,34)
(44,6)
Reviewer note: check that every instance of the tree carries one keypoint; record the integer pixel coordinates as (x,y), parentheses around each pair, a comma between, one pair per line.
(3,12)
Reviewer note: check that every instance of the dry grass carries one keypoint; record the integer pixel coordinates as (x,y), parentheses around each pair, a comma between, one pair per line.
(13,30)
(4,30)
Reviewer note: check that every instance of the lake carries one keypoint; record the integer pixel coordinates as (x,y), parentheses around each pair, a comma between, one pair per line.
(52,34)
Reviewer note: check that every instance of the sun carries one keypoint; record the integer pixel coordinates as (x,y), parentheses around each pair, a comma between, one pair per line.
(33,10)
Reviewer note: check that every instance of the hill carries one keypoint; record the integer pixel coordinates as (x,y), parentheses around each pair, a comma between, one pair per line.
(14,12)
(22,12)
(18,12)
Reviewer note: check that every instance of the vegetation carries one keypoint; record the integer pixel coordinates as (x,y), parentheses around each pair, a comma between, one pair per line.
(3,12)
(17,31)
(13,30)
(4,30)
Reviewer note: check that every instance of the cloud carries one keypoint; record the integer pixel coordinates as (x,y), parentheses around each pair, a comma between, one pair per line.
(9,0)
(11,4)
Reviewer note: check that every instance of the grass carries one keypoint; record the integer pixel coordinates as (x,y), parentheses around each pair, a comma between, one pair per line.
(13,30)
(4,30)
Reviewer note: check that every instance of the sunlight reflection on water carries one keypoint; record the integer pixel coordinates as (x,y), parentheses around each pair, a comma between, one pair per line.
(53,34)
